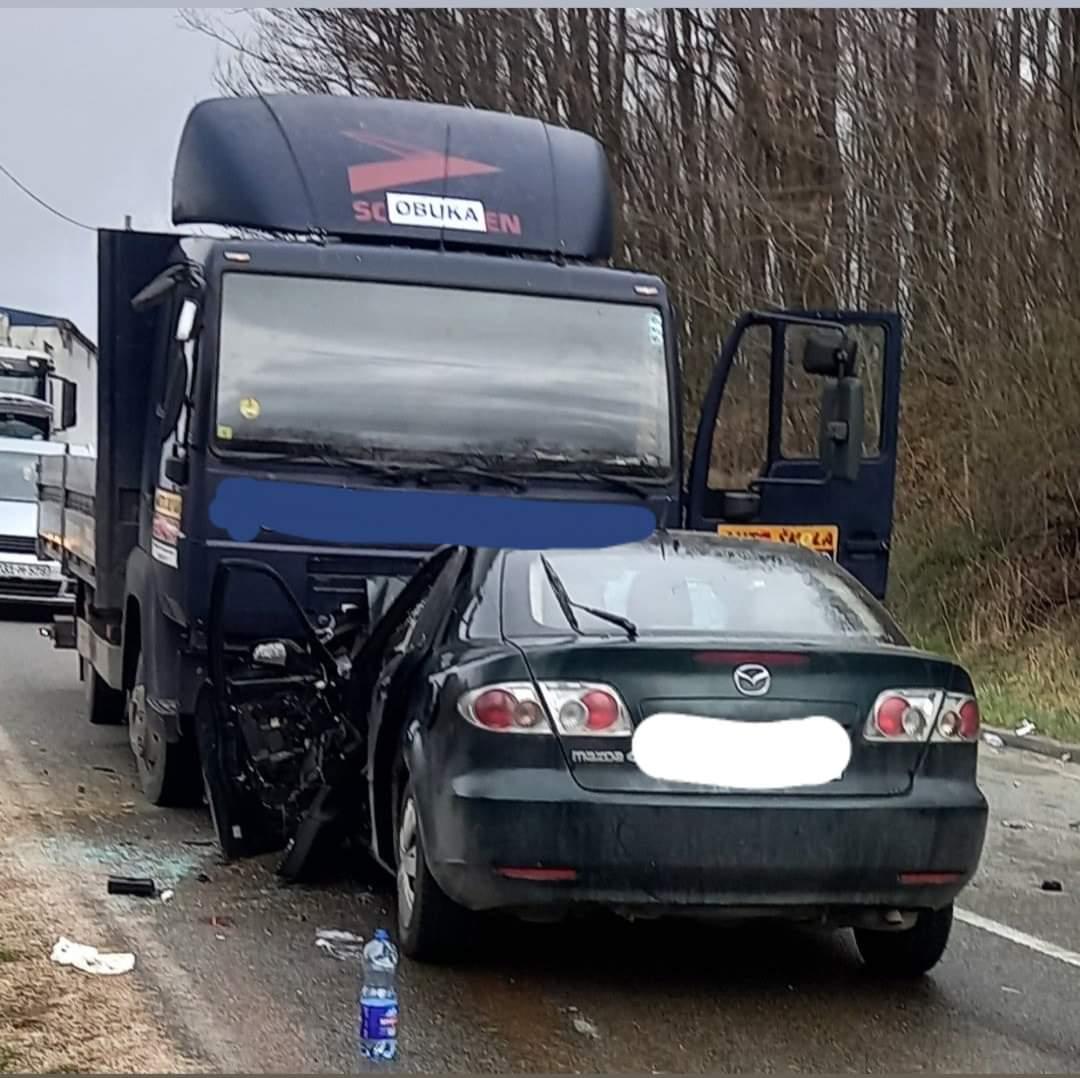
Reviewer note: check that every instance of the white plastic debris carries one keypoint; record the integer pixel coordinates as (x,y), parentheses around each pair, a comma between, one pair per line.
(341,945)
(1025,728)
(90,960)
(993,740)
(586,1028)
(1012,991)
(167,896)
(1016,825)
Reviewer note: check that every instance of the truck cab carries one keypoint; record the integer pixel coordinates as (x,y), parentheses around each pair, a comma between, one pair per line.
(35,406)
(414,337)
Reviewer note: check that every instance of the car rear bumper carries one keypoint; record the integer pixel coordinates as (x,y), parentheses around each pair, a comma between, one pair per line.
(675,853)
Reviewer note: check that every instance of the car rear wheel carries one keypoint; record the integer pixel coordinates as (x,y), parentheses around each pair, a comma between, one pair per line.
(431,927)
(909,953)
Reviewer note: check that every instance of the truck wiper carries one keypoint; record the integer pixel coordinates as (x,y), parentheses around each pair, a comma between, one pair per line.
(568,606)
(581,471)
(324,454)
(614,482)
(417,473)
(463,471)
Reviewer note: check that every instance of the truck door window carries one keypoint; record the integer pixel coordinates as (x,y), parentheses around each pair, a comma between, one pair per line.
(741,436)
(740,447)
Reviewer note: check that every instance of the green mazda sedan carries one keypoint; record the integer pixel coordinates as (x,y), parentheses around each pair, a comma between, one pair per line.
(688,725)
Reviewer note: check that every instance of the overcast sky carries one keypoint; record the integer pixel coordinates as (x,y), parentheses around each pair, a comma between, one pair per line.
(93,103)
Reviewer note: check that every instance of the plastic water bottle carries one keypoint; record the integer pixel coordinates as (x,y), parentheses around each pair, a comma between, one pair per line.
(378,998)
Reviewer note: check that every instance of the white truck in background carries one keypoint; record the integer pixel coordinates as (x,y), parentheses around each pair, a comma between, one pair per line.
(47,370)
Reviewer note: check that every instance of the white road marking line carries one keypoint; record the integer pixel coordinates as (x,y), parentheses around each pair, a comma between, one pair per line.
(1014,935)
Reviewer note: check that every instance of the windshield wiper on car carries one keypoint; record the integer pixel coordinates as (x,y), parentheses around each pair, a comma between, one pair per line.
(568,606)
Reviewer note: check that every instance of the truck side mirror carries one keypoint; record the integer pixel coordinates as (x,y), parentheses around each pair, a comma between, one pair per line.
(176,470)
(68,405)
(840,435)
(175,388)
(829,352)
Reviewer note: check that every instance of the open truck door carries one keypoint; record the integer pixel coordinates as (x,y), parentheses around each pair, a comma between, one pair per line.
(798,435)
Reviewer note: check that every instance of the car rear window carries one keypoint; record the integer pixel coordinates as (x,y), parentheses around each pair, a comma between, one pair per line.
(701,585)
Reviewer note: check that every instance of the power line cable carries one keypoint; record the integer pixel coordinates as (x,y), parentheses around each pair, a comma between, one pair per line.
(41,202)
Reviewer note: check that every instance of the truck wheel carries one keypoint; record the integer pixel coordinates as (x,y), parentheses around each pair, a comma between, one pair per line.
(909,953)
(104,704)
(168,770)
(431,926)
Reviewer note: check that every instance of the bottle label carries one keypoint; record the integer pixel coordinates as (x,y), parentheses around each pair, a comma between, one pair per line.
(378,1020)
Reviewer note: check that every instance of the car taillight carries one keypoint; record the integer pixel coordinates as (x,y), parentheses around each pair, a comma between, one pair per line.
(578,709)
(918,715)
(903,715)
(495,709)
(959,721)
(512,707)
(586,710)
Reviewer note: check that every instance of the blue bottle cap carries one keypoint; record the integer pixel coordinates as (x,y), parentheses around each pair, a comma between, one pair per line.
(382,934)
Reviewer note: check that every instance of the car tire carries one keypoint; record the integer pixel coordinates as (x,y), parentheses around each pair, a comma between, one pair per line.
(909,953)
(431,926)
(168,770)
(105,706)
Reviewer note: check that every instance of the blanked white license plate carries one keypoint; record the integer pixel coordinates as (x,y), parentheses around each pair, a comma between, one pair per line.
(722,753)
(20,570)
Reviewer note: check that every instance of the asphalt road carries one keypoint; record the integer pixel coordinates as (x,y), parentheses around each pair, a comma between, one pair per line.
(231,967)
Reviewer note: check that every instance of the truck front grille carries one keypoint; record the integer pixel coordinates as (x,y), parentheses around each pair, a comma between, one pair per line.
(18,544)
(30,589)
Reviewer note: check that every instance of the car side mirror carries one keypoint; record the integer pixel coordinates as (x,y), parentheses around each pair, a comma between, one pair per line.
(840,435)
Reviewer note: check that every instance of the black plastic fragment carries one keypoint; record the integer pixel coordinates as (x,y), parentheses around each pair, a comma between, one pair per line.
(127,885)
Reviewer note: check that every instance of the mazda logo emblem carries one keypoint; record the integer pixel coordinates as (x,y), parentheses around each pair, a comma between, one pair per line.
(752,679)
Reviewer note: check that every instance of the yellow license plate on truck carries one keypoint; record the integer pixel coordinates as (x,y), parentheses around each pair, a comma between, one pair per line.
(824,538)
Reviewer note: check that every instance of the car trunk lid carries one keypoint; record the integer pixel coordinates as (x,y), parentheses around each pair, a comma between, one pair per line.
(690,678)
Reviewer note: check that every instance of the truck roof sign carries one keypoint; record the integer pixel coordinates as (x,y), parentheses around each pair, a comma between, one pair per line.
(371,168)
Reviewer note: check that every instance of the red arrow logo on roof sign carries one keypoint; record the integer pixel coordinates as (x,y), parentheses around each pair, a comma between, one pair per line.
(411,164)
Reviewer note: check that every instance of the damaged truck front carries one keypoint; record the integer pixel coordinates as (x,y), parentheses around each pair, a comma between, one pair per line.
(413,346)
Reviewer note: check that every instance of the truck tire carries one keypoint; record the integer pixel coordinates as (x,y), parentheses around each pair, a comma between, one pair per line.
(910,953)
(168,770)
(104,704)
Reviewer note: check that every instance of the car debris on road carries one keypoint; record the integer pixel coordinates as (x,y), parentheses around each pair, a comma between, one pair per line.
(90,959)
(341,945)
(140,887)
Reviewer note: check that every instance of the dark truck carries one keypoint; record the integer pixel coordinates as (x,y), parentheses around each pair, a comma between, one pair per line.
(412,340)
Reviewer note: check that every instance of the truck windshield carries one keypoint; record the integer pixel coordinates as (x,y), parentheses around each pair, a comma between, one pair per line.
(18,477)
(25,384)
(407,371)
